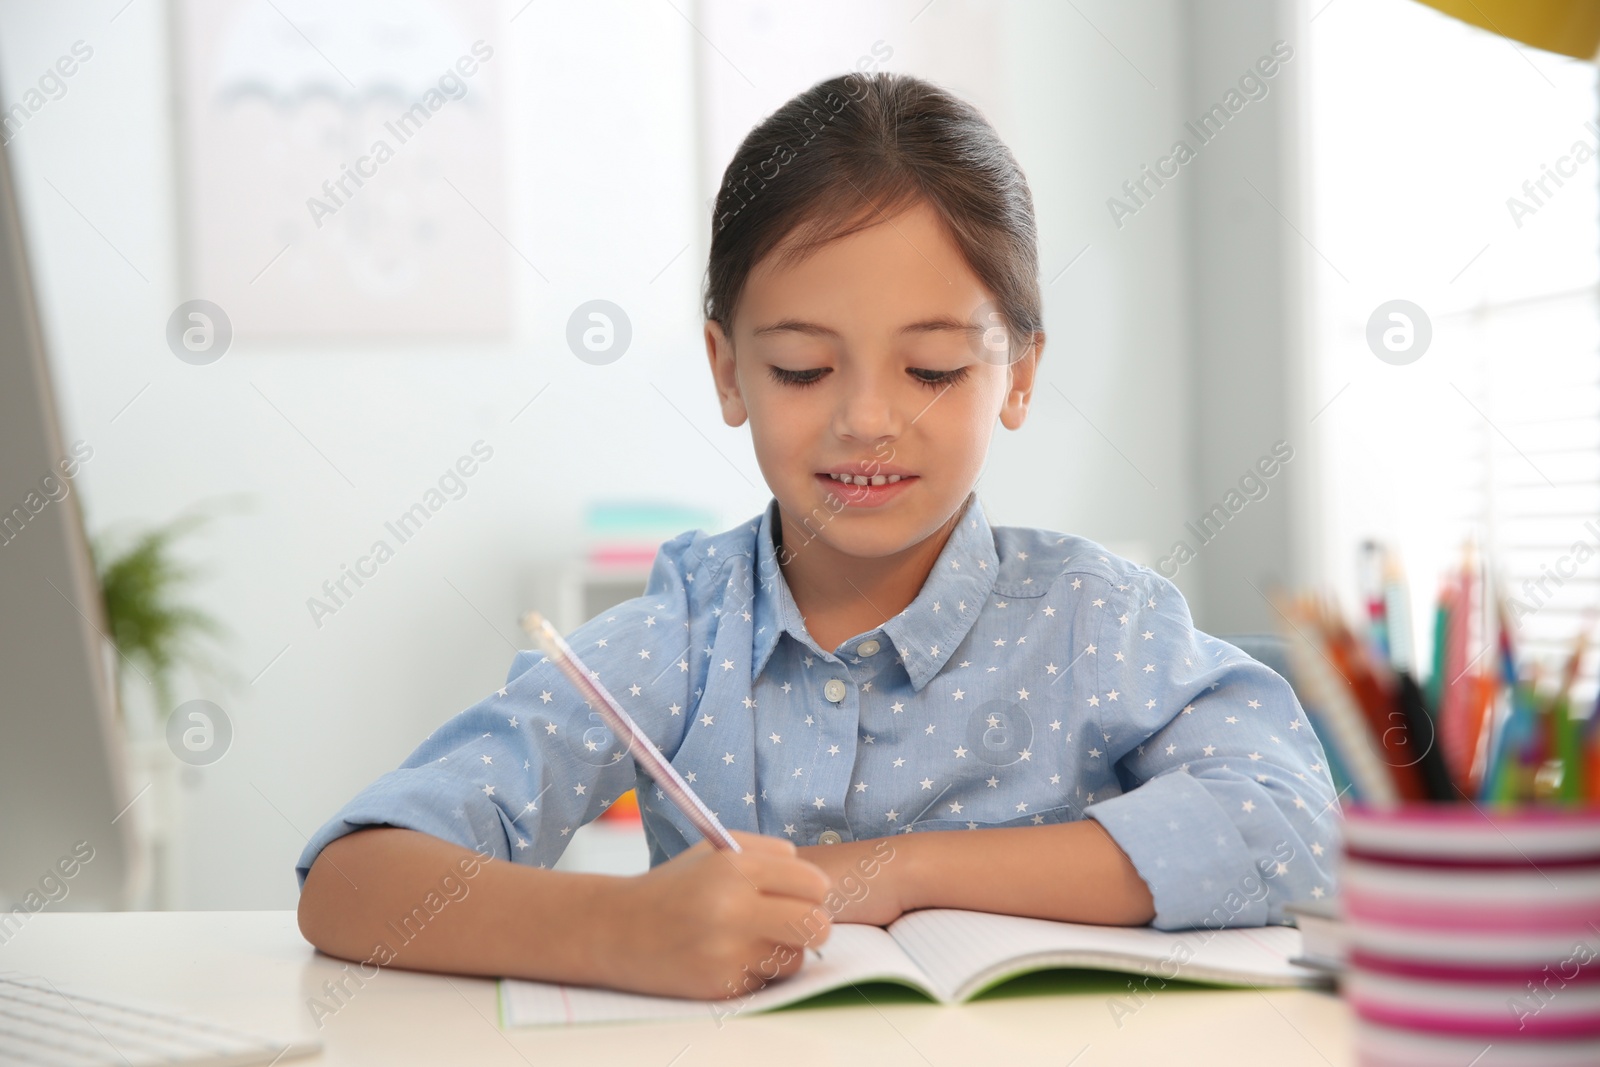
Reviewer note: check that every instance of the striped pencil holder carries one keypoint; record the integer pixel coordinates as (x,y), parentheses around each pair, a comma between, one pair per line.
(1473,935)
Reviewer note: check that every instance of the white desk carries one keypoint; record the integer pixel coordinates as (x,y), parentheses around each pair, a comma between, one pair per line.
(253,970)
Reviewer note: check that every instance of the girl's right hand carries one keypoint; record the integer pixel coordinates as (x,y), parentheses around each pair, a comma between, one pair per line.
(712,924)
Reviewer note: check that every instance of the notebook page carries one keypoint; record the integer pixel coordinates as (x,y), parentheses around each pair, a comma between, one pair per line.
(853,953)
(964,952)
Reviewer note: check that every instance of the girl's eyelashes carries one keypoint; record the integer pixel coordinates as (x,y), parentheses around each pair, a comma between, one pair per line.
(798,377)
(939,378)
(932,378)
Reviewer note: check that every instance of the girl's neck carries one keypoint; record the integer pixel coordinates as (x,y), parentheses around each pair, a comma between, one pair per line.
(840,595)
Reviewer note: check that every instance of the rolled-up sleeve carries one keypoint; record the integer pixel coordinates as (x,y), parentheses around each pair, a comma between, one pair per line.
(1224,803)
(517,772)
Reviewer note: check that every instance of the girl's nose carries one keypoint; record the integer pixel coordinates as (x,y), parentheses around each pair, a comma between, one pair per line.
(869,408)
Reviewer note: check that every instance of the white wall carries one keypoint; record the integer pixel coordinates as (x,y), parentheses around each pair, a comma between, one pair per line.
(606,186)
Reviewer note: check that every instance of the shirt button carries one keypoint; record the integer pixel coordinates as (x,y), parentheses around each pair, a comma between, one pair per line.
(868,648)
(834,690)
(828,837)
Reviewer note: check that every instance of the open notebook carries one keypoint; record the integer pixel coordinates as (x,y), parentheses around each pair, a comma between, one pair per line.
(951,956)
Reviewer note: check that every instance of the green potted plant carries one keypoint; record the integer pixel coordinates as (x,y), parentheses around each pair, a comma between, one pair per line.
(155,632)
(142,582)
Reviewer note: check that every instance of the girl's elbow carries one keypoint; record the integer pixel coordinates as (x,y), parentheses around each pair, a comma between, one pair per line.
(311,912)
(320,912)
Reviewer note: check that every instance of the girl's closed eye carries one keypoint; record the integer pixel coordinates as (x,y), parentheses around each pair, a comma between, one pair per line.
(798,377)
(933,378)
(940,377)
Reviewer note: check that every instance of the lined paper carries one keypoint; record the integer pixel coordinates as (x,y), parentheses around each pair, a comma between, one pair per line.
(963,952)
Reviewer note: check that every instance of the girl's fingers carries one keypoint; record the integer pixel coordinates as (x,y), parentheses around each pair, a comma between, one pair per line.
(786,922)
(784,876)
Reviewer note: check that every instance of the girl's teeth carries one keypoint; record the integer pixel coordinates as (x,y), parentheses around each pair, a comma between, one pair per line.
(862,479)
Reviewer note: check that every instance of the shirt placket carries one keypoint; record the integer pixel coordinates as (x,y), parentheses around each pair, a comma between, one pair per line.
(845,680)
(839,722)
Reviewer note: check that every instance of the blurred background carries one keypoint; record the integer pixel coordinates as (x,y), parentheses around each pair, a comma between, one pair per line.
(511,285)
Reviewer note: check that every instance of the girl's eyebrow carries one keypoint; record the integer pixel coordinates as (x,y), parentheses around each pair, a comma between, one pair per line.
(812,329)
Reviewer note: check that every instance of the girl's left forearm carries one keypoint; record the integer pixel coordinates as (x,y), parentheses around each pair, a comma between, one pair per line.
(1071,872)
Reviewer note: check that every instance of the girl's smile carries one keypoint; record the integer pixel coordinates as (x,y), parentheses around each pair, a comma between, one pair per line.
(862,491)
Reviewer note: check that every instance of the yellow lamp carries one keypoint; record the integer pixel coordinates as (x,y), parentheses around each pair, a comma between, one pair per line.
(1567,27)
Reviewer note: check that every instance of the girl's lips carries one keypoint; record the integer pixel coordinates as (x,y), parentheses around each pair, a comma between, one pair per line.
(866,496)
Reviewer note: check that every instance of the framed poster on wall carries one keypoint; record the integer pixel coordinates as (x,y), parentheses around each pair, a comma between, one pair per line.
(341,166)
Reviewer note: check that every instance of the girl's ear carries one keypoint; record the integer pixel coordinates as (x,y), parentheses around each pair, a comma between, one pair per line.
(725,374)
(1021,375)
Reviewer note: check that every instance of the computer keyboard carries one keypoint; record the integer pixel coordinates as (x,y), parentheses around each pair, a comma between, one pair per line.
(42,1024)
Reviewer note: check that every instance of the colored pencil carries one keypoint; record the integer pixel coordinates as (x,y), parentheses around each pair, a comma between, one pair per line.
(639,745)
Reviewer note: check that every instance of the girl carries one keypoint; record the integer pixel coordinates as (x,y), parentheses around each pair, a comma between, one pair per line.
(892,704)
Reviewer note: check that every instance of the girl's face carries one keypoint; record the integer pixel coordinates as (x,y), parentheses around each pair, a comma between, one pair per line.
(876,356)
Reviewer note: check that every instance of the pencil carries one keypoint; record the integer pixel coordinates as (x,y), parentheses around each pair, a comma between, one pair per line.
(1441,638)
(640,747)
(1567,730)
(1591,736)
(1454,695)
(1376,699)
(1397,614)
(1373,559)
(1325,689)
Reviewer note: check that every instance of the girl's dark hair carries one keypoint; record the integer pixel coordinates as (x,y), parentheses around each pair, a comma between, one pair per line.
(854,150)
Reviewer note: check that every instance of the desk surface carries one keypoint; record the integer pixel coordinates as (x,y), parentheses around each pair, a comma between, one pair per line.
(253,970)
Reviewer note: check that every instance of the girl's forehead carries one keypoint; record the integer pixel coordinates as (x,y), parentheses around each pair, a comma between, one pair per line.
(912,231)
(904,270)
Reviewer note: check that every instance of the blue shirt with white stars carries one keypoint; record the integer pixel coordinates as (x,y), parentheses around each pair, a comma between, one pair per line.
(1037,678)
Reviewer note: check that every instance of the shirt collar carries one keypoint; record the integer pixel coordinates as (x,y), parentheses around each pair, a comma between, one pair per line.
(926,633)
